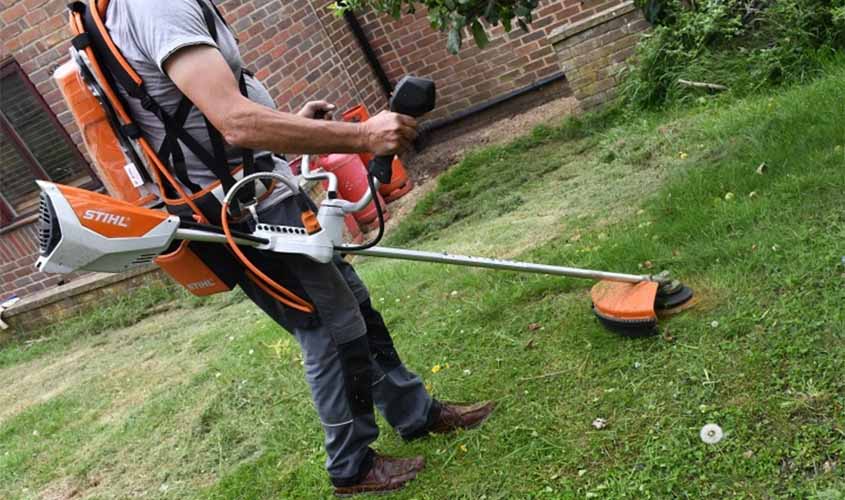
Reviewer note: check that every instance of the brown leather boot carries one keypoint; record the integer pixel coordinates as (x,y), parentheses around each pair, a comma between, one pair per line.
(387,474)
(455,416)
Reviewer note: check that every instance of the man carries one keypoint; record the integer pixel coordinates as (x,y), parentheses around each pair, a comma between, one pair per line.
(182,48)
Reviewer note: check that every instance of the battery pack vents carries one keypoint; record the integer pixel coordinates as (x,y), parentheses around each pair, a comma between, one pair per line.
(49,232)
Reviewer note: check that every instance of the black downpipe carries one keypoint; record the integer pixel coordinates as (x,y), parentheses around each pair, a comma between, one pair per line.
(484,106)
(371,57)
(433,125)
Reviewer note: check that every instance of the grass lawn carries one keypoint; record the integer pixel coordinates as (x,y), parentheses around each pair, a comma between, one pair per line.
(206,399)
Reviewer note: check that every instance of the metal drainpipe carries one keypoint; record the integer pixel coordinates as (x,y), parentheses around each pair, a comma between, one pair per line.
(431,126)
(490,103)
(369,54)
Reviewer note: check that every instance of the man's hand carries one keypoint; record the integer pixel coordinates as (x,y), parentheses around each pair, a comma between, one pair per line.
(389,133)
(312,108)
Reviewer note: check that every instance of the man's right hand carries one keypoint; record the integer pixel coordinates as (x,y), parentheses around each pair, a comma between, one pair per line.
(389,133)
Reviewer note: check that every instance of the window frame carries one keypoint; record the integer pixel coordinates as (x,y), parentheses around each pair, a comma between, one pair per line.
(10,66)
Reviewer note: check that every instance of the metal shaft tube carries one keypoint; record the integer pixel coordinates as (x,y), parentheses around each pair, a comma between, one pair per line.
(504,265)
(447,258)
(209,237)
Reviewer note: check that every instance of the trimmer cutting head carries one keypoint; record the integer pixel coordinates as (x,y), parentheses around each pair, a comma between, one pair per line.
(631,309)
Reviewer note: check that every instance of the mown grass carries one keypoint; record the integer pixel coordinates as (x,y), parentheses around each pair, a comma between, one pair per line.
(208,401)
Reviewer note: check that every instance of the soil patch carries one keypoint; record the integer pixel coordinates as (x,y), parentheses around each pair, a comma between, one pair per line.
(448,146)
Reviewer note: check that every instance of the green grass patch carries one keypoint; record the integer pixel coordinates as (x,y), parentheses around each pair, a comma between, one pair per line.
(209,401)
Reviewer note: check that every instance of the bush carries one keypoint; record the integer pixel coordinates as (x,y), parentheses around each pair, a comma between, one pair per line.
(742,44)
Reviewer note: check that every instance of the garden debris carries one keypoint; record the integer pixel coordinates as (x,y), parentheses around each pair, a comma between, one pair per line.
(712,87)
(762,169)
(6,305)
(533,327)
(545,375)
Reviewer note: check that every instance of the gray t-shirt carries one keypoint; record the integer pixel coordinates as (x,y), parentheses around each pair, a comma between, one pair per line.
(147,32)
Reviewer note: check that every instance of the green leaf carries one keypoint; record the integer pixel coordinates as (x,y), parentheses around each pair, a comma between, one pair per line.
(479,34)
(506,23)
(453,44)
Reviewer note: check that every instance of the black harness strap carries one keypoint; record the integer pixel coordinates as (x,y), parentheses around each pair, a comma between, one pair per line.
(174,126)
(170,148)
(208,14)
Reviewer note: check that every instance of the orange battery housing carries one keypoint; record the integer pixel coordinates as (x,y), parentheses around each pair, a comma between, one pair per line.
(187,269)
(100,140)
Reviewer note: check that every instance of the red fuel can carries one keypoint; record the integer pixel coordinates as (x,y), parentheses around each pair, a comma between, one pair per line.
(352,184)
(353,230)
(400,184)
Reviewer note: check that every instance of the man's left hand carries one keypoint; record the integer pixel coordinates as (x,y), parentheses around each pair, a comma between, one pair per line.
(314,108)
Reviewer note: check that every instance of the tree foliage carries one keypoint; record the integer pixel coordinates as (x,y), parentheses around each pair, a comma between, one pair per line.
(456,17)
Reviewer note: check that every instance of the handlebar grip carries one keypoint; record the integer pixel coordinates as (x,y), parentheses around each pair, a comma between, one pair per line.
(381,167)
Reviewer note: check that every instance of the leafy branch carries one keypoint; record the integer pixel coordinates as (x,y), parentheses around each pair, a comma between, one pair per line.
(456,17)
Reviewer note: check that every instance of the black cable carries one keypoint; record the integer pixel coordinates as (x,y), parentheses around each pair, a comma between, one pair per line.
(379,212)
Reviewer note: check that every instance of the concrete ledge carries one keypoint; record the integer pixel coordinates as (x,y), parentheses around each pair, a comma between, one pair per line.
(562,33)
(61,302)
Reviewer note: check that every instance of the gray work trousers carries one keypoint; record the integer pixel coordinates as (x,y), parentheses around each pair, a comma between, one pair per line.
(341,300)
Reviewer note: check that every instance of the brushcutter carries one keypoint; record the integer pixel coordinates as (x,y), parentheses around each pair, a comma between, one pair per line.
(81,230)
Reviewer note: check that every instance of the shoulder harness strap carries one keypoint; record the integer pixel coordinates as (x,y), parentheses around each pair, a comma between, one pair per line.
(122,73)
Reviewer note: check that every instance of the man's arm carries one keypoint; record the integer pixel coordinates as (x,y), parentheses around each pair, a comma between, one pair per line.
(203,76)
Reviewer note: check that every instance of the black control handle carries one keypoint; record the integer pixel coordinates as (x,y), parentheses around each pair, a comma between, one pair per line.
(413,97)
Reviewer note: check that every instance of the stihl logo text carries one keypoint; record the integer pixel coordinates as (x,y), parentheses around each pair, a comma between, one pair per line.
(199,285)
(106,218)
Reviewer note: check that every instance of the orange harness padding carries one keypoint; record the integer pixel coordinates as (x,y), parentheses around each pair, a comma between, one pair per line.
(161,174)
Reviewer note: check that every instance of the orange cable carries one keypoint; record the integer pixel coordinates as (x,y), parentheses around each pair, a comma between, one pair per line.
(287,297)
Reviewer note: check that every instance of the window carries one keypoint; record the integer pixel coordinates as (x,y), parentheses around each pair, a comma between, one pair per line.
(33,145)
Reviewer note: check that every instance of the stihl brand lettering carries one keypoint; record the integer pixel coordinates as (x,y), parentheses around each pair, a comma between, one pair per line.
(106,218)
(199,285)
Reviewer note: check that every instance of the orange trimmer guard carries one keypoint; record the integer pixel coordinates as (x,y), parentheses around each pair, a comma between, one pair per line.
(626,308)
(186,268)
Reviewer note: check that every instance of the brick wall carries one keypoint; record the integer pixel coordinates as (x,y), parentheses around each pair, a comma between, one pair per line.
(34,32)
(302,51)
(511,61)
(316,45)
(593,51)
(18,251)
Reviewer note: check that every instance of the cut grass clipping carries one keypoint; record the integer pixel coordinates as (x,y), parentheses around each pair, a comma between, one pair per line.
(209,401)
